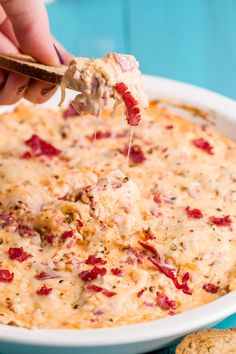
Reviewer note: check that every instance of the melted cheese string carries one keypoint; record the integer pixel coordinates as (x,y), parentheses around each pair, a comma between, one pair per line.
(129,147)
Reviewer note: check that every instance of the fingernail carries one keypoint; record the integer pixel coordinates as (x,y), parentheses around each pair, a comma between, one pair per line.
(59,55)
(22,89)
(46,90)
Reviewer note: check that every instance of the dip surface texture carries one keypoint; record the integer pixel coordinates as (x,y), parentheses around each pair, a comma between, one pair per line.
(87,242)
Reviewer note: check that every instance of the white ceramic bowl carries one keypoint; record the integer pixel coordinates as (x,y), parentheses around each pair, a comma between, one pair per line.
(139,338)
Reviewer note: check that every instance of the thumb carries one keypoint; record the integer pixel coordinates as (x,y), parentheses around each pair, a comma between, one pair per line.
(31,26)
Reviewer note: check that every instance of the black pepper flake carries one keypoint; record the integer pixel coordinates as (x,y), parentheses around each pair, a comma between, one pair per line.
(61,281)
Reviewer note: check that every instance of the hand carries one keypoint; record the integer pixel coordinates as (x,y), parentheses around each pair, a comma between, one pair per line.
(24,28)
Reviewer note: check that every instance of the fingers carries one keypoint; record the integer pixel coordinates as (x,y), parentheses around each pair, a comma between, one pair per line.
(7,29)
(39,92)
(26,27)
(13,89)
(12,86)
(30,22)
(6,45)
(66,56)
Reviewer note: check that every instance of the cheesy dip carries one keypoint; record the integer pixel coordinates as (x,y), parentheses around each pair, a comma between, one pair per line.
(97,81)
(88,241)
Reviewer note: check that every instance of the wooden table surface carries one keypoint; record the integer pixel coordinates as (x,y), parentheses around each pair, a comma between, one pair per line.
(187,40)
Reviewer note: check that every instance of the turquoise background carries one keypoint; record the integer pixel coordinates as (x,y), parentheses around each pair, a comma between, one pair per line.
(187,40)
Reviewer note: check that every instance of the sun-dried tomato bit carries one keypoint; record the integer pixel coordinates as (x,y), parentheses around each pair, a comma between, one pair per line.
(18,254)
(151,249)
(70,112)
(99,289)
(92,259)
(170,126)
(210,288)
(220,221)
(44,291)
(203,145)
(6,276)
(40,147)
(67,234)
(171,273)
(132,110)
(117,272)
(164,302)
(136,154)
(92,274)
(51,274)
(193,213)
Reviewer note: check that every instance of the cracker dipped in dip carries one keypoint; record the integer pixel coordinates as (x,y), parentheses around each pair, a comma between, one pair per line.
(115,76)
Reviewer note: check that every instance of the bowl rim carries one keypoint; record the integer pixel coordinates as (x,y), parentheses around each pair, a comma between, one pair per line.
(173,326)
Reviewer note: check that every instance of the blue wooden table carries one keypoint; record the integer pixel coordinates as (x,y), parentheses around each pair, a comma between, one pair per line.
(187,40)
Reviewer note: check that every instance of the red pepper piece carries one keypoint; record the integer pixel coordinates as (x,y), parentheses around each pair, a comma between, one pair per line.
(92,274)
(80,223)
(170,273)
(117,272)
(133,116)
(164,302)
(6,276)
(121,88)
(43,276)
(18,254)
(44,291)
(67,234)
(99,289)
(92,259)
(140,293)
(204,145)
(150,249)
(149,235)
(136,154)
(210,288)
(40,147)
(221,221)
(132,110)
(194,213)
(99,135)
(129,100)
(108,293)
